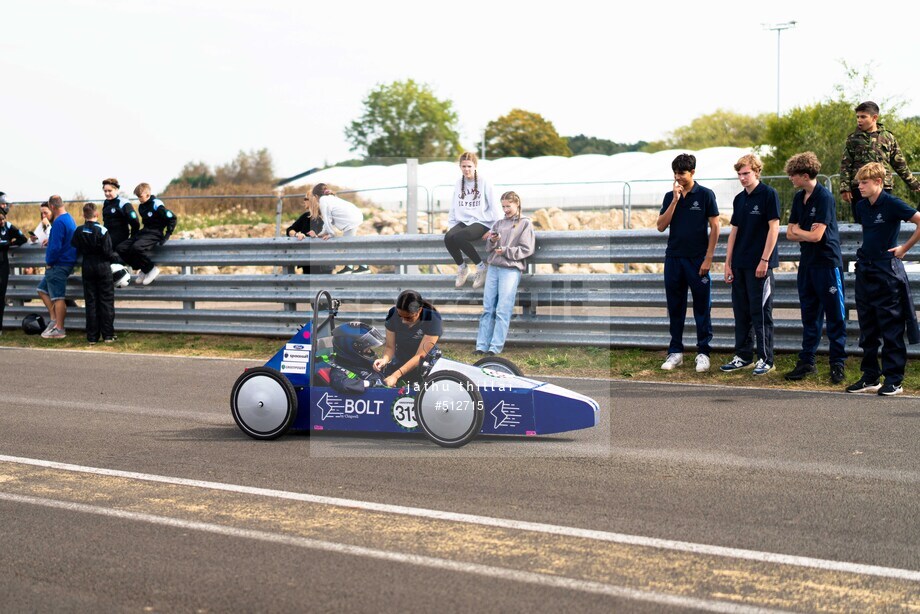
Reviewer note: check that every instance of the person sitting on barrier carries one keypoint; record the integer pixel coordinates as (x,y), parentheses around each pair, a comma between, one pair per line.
(473,211)
(351,364)
(338,215)
(93,242)
(159,224)
(308,226)
(118,215)
(10,236)
(510,242)
(413,329)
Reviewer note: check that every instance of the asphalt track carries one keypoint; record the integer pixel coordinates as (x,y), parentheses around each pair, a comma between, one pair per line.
(125,485)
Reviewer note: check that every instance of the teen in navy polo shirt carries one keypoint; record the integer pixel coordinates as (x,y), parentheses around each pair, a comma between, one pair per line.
(690,211)
(883,302)
(749,262)
(413,329)
(813,224)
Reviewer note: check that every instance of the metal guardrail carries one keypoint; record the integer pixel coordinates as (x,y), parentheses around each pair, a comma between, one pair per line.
(559,309)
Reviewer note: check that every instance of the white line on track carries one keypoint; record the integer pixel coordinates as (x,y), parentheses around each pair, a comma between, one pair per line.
(504,523)
(544,580)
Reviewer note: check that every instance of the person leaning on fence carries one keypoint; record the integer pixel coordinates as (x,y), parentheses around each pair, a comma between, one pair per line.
(749,262)
(159,224)
(473,211)
(871,142)
(510,242)
(10,236)
(118,215)
(94,242)
(60,259)
(308,226)
(883,301)
(691,212)
(813,225)
(338,215)
(413,329)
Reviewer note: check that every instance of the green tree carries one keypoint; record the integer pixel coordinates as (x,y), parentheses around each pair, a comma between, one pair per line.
(193,175)
(523,134)
(252,168)
(721,128)
(405,119)
(582,145)
(821,127)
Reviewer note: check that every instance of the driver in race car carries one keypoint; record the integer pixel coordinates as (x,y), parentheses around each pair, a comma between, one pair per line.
(352,361)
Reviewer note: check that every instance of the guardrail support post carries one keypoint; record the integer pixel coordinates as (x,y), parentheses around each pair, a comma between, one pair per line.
(188,305)
(289,270)
(411,207)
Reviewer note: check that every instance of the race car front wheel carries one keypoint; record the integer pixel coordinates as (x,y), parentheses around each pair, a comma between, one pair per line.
(449,409)
(263,403)
(497,363)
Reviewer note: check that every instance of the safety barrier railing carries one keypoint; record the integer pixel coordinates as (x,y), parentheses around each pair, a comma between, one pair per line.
(595,309)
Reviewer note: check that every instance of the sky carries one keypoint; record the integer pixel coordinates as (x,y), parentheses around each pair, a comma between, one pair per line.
(135,89)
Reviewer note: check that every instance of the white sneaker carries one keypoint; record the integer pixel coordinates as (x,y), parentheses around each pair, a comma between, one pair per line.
(480,279)
(463,272)
(673,360)
(150,276)
(49,327)
(702,363)
(139,278)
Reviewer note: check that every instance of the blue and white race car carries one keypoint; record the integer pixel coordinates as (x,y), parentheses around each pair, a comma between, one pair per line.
(453,403)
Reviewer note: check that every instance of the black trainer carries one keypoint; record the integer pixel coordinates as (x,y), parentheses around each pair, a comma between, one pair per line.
(864,385)
(837,373)
(801,371)
(360,270)
(889,390)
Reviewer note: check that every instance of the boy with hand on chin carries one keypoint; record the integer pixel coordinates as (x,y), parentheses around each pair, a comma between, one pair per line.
(690,211)
(883,301)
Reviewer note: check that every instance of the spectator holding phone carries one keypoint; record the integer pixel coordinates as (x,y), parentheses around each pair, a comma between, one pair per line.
(509,243)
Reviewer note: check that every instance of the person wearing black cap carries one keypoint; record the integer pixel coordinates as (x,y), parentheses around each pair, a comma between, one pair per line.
(94,243)
(413,329)
(10,236)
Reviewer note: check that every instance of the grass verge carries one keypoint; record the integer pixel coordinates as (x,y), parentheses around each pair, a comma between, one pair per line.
(630,364)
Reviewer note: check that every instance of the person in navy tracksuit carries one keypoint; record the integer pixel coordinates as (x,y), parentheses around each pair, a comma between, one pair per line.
(690,211)
(813,224)
(94,243)
(10,236)
(749,262)
(883,301)
(118,215)
(159,224)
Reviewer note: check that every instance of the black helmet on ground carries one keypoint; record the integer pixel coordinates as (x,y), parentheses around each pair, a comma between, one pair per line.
(33,324)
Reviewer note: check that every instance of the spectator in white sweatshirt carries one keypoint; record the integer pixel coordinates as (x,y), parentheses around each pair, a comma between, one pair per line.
(338,215)
(473,211)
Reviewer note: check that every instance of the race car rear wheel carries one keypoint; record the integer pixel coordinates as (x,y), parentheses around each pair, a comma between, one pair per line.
(263,403)
(449,409)
(497,363)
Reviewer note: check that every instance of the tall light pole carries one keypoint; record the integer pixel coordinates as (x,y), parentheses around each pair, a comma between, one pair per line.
(778,27)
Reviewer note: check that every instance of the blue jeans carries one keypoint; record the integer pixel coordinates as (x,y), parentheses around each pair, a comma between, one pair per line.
(497,304)
(54,283)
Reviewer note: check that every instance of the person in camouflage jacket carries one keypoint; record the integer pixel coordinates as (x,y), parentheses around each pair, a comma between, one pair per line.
(872,143)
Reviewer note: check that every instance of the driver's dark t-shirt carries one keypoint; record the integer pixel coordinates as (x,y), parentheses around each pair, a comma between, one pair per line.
(408,339)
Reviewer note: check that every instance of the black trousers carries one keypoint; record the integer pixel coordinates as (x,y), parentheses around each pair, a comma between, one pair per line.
(459,240)
(4,280)
(136,252)
(99,294)
(882,319)
(752,303)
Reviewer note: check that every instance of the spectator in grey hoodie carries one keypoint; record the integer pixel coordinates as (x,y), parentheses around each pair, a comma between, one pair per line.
(509,243)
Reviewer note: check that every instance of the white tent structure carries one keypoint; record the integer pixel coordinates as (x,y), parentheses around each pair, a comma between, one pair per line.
(579,182)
